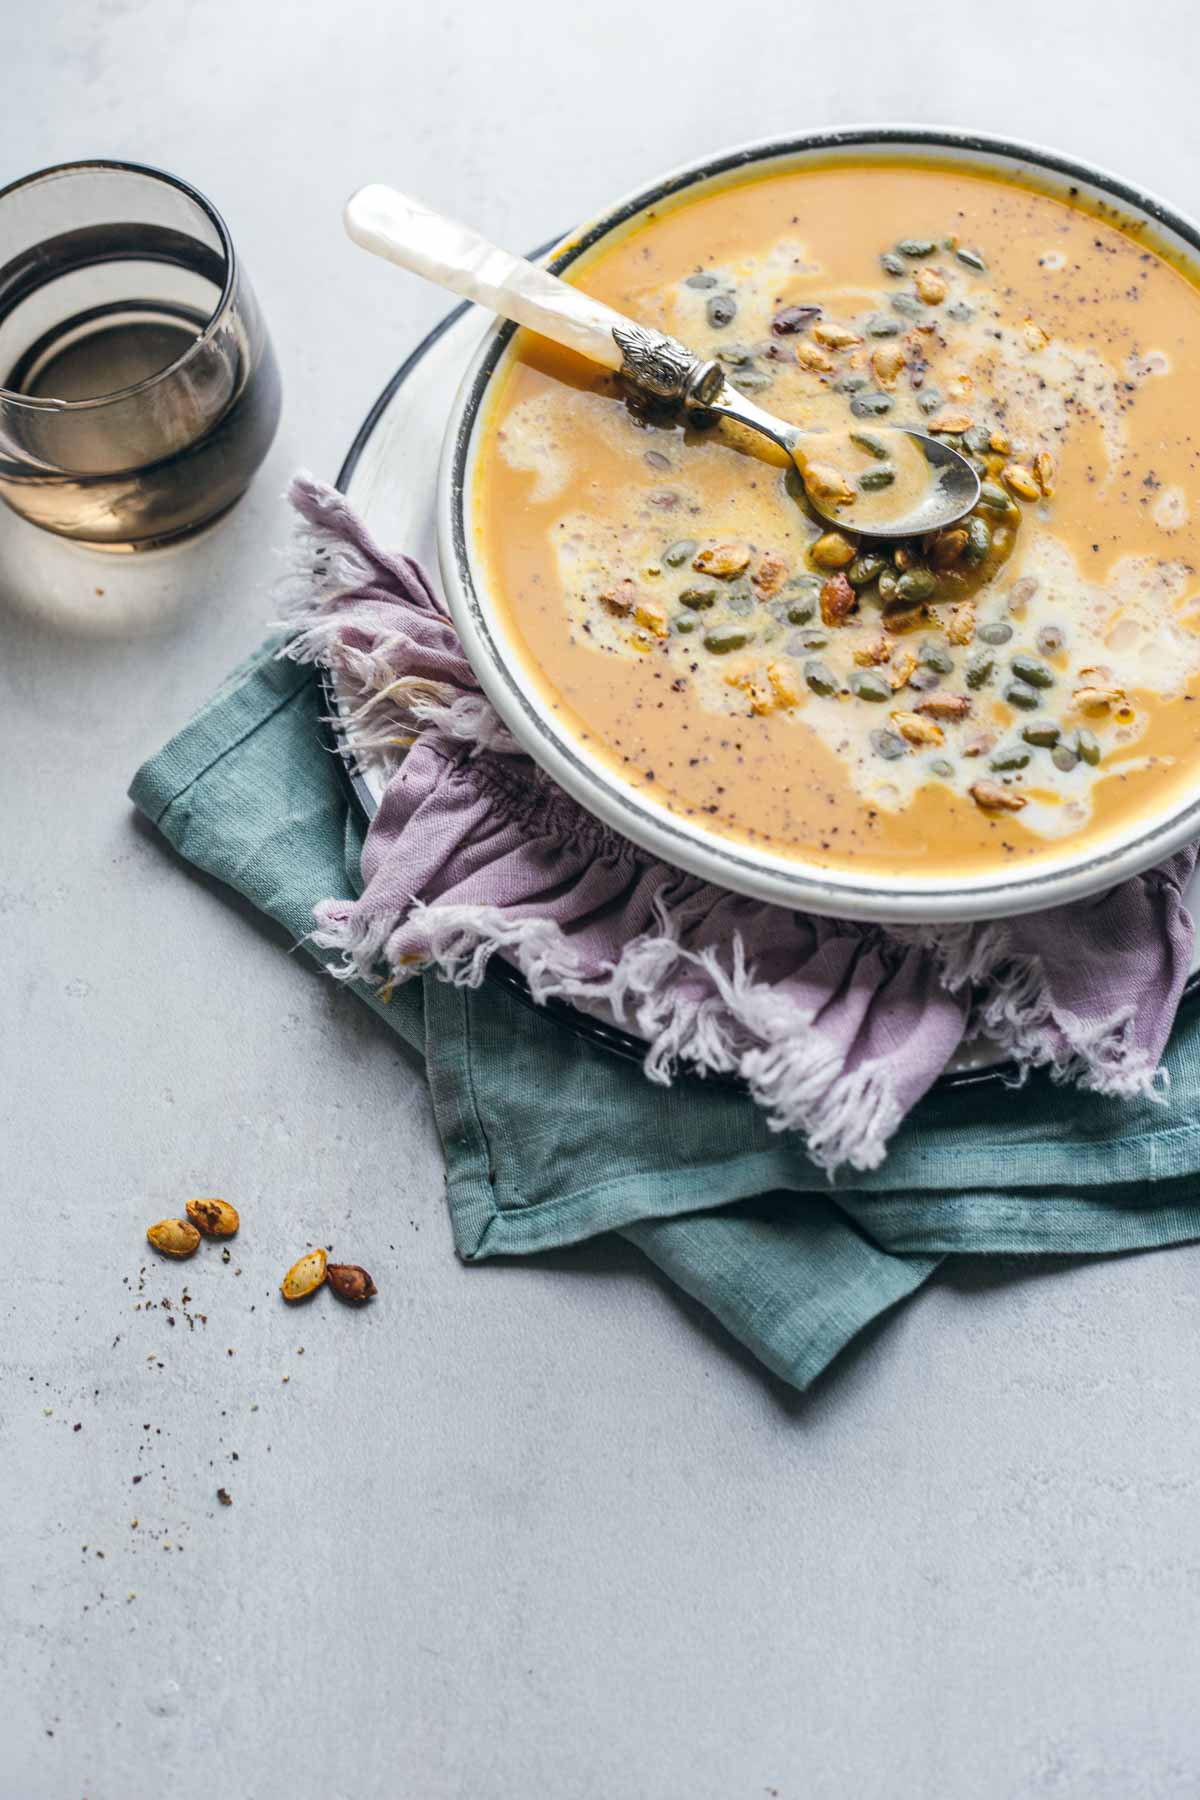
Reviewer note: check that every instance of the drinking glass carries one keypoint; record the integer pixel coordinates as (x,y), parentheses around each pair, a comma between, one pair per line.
(138,388)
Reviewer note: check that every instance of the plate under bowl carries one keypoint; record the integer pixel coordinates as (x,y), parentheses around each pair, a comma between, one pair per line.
(782,880)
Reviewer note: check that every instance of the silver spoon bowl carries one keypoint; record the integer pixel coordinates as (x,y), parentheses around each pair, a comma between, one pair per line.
(412,235)
(661,366)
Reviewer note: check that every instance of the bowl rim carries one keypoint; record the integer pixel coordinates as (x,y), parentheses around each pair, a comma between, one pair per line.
(763,874)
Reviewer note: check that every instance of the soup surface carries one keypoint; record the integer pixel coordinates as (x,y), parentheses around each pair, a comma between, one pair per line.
(953,704)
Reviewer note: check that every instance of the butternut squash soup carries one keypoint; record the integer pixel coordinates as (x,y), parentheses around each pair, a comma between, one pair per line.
(956,704)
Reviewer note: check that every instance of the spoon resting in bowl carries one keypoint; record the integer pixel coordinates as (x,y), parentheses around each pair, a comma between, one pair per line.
(885,482)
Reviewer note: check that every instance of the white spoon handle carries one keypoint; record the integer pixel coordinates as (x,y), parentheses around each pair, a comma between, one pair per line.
(407,233)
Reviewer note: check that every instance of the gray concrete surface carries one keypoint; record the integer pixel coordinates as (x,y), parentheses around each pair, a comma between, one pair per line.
(519,1531)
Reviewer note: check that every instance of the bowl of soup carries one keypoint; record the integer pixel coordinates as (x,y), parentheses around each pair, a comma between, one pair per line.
(988,720)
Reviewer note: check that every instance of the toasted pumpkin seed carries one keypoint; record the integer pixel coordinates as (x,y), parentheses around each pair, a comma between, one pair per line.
(996,633)
(995,498)
(1027,668)
(865,684)
(1064,758)
(724,638)
(1043,733)
(174,1237)
(893,264)
(216,1217)
(881,325)
(1019,693)
(916,247)
(701,279)
(1087,748)
(863,569)
(304,1277)
(1012,758)
(721,310)
(699,599)
(887,744)
(970,259)
(934,655)
(820,677)
(831,551)
(871,404)
(917,585)
(675,555)
(866,440)
(872,481)
(993,798)
(978,669)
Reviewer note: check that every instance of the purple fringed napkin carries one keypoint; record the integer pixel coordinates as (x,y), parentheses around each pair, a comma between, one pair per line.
(836,1028)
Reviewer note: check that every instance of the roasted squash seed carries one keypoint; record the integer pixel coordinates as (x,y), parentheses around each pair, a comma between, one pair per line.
(304,1277)
(174,1237)
(216,1218)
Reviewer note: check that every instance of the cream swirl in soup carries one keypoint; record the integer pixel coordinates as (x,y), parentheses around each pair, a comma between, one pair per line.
(953,703)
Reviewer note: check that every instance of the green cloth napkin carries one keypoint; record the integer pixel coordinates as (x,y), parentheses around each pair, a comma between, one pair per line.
(549,1141)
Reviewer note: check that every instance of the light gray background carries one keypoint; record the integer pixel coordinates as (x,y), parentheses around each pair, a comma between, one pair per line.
(520,1530)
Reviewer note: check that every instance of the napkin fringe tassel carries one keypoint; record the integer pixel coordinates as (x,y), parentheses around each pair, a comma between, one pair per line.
(690,1007)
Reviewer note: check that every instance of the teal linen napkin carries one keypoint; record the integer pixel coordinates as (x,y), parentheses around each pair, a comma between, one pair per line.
(549,1141)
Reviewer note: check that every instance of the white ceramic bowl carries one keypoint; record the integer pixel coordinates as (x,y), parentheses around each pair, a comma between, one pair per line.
(784,880)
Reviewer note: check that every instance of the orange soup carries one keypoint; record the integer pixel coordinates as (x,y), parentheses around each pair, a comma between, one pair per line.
(945,705)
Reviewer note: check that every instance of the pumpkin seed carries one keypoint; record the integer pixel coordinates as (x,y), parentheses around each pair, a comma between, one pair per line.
(977,671)
(675,555)
(698,598)
(1043,733)
(931,401)
(350,1282)
(216,1217)
(742,605)
(174,1237)
(702,279)
(721,310)
(935,655)
(304,1277)
(879,325)
(873,446)
(979,539)
(820,678)
(893,264)
(802,641)
(939,766)
(724,638)
(863,569)
(831,551)
(995,634)
(1019,693)
(871,405)
(887,745)
(1087,747)
(916,585)
(971,259)
(977,439)
(865,684)
(851,384)
(801,612)
(906,304)
(924,680)
(751,381)
(735,353)
(1050,640)
(960,312)
(916,248)
(1012,758)
(793,319)
(1027,668)
(1064,758)
(683,624)
(873,480)
(995,498)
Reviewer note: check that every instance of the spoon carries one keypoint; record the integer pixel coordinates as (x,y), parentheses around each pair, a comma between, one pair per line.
(407,233)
